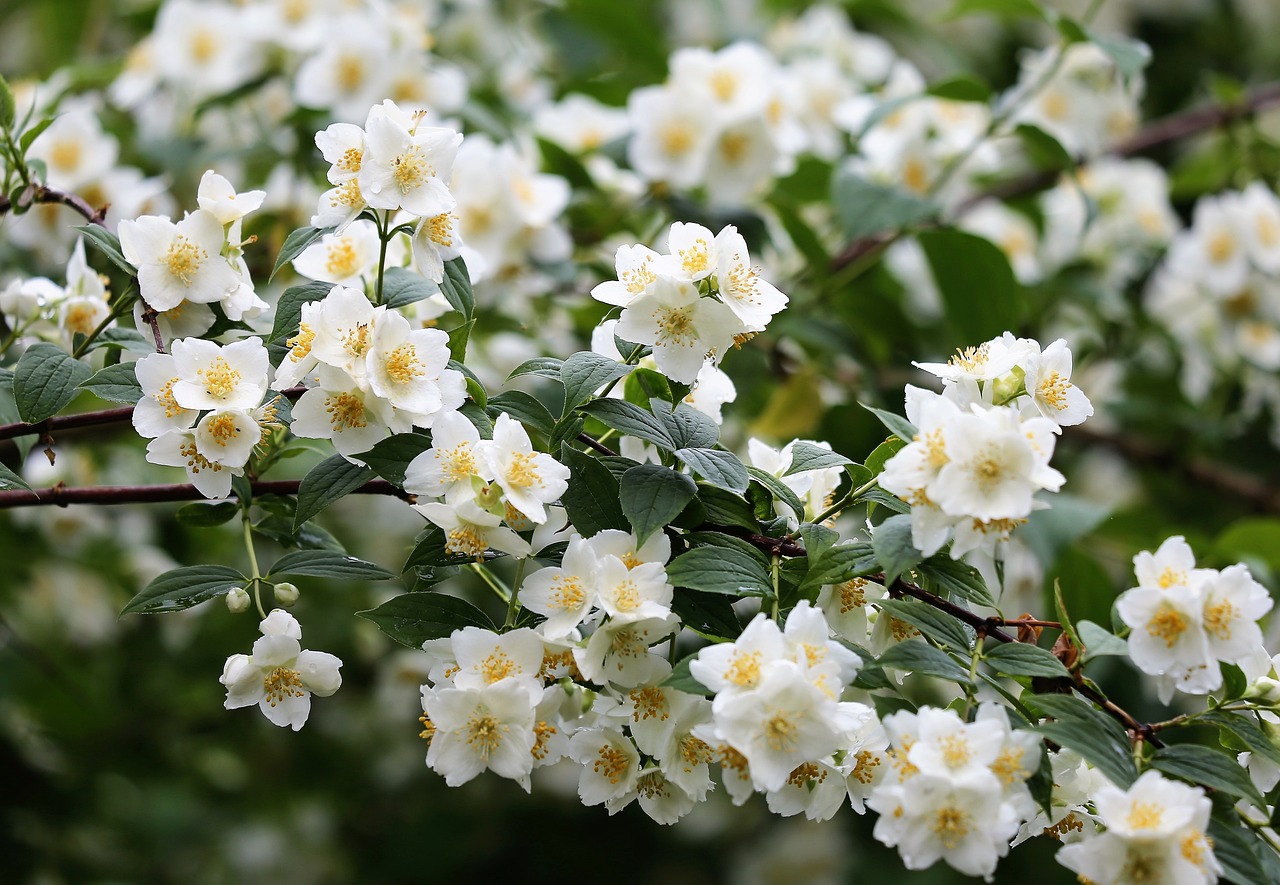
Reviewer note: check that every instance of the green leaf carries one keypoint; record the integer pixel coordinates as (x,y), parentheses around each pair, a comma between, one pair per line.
(961,89)
(1044,150)
(584,373)
(1247,729)
(1207,767)
(891,541)
(459,337)
(720,570)
(108,244)
(719,468)
(998,8)
(591,499)
(838,564)
(327,564)
(866,208)
(730,542)
(897,425)
(881,454)
(125,339)
(935,624)
(541,366)
(630,419)
(920,657)
(456,287)
(25,140)
(117,384)
(413,618)
(725,508)
(652,495)
(1232,848)
(689,428)
(294,245)
(325,483)
(7,107)
(1099,641)
(682,680)
(1096,746)
(402,287)
(956,579)
(1130,55)
(523,407)
(45,380)
(710,615)
(182,588)
(807,456)
(391,457)
(1022,659)
(980,295)
(201,515)
(11,480)
(289,308)
(779,490)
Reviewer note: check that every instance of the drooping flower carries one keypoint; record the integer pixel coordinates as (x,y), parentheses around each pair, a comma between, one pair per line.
(279,676)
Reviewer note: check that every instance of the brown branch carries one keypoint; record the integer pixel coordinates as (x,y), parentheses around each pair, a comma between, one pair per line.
(62,496)
(594,443)
(1157,134)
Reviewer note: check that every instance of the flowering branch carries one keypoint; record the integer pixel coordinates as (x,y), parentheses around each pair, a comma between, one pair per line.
(45,194)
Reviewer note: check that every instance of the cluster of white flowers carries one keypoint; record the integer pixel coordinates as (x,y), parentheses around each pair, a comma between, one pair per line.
(692,303)
(983,445)
(1184,620)
(279,676)
(954,790)
(374,374)
(1078,95)
(484,483)
(815,488)
(202,409)
(185,267)
(1218,294)
(1155,832)
(38,308)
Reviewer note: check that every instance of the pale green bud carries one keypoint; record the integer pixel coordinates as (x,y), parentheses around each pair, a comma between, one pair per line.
(286,594)
(238,601)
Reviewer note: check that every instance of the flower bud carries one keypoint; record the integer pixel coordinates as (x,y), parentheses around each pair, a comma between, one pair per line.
(286,594)
(1265,689)
(1009,387)
(237,600)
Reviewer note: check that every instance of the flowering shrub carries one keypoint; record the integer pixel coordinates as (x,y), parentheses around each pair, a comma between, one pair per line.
(579,348)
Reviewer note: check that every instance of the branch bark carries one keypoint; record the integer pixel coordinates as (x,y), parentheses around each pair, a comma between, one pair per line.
(62,496)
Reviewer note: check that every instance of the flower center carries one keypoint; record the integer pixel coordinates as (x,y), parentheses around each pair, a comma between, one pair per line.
(1145,815)
(1167,624)
(567,593)
(342,259)
(484,733)
(611,763)
(781,732)
(524,471)
(346,411)
(282,683)
(403,365)
(184,258)
(220,380)
(222,428)
(411,169)
(950,825)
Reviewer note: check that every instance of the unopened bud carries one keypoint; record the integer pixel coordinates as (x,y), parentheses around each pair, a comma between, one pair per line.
(286,594)
(238,601)
(1265,689)
(1009,387)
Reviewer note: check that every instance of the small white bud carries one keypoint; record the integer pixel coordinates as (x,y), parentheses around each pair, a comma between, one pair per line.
(286,594)
(238,601)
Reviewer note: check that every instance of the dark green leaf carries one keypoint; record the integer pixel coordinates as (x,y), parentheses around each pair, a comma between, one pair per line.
(840,563)
(1207,767)
(524,408)
(652,495)
(1099,641)
(956,579)
(584,373)
(866,208)
(541,366)
(1044,150)
(891,541)
(897,425)
(26,139)
(591,499)
(720,570)
(719,468)
(458,340)
(11,480)
(961,89)
(7,107)
(725,508)
(1247,729)
(630,419)
(108,244)
(682,680)
(402,287)
(935,624)
(807,456)
(201,515)
(919,657)
(709,615)
(1097,746)
(456,287)
(999,8)
(391,457)
(979,292)
(294,245)
(325,483)
(117,384)
(45,380)
(881,454)
(689,428)
(731,542)
(184,587)
(1022,659)
(413,618)
(1232,848)
(289,308)
(327,564)
(779,490)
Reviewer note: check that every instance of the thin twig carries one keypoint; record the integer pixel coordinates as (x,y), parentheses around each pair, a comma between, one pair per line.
(594,443)
(62,496)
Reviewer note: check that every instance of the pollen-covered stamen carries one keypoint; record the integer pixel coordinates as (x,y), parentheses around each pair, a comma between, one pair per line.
(675,326)
(1053,391)
(676,138)
(347,194)
(523,472)
(1218,618)
(439,229)
(457,463)
(611,763)
(465,540)
(346,411)
(971,359)
(986,471)
(542,733)
(282,683)
(411,169)
(300,344)
(1145,815)
(356,341)
(694,751)
(567,593)
(743,283)
(342,258)
(864,769)
(806,773)
(955,750)
(696,258)
(626,597)
(852,594)
(744,669)
(1008,766)
(349,72)
(350,160)
(653,786)
(403,365)
(484,733)
(1168,624)
(638,277)
(649,702)
(1220,247)
(781,732)
(498,666)
(196,461)
(80,320)
(220,380)
(222,428)
(165,398)
(951,824)
(183,259)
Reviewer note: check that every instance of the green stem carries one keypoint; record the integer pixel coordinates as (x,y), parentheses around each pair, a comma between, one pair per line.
(973,673)
(383,237)
(256,579)
(513,607)
(773,574)
(847,501)
(494,584)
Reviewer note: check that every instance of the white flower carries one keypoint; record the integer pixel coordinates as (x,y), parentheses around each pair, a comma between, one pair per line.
(1168,638)
(618,652)
(632,593)
(610,764)
(435,241)
(406,168)
(490,727)
(407,368)
(445,470)
(178,262)
(177,448)
(227,436)
(530,480)
(210,376)
(341,258)
(157,411)
(637,266)
(563,594)
(684,328)
(344,330)
(279,676)
(752,299)
(470,530)
(217,196)
(737,666)
(485,658)
(342,410)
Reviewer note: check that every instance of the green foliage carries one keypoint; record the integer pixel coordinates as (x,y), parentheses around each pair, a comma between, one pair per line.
(413,618)
(45,380)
